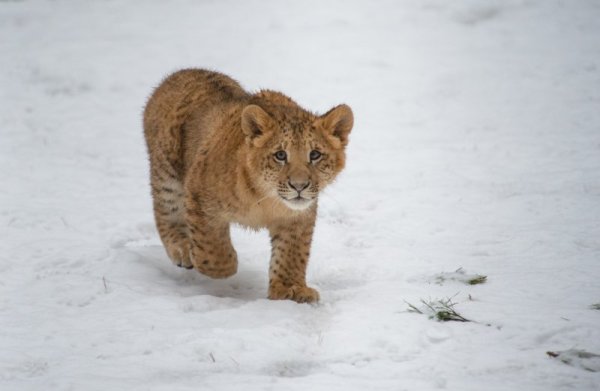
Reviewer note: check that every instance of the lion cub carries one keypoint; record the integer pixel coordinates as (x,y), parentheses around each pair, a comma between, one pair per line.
(219,154)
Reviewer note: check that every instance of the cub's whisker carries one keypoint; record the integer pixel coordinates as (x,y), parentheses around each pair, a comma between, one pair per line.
(261,200)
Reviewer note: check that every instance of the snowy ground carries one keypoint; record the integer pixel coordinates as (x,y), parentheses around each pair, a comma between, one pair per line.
(476,145)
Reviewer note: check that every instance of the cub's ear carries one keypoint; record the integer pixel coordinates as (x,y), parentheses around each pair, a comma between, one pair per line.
(337,124)
(257,125)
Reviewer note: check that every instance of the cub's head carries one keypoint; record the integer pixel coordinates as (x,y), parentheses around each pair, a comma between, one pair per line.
(294,153)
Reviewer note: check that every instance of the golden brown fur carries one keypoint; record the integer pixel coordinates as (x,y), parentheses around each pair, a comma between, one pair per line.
(216,158)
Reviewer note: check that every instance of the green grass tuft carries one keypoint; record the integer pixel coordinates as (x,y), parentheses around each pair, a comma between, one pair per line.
(479,279)
(441,310)
(459,275)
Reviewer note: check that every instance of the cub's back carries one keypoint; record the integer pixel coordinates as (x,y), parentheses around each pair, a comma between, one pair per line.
(174,113)
(183,94)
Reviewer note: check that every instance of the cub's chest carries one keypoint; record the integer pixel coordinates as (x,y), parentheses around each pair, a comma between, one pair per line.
(261,215)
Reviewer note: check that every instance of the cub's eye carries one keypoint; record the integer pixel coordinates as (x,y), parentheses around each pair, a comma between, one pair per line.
(314,155)
(281,156)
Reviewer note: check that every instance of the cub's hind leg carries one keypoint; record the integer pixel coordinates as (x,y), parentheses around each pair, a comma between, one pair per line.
(167,194)
(164,118)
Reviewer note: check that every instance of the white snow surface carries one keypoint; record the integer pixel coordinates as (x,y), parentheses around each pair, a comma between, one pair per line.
(476,145)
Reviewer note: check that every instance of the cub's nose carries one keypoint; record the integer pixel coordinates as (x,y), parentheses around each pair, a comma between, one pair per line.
(299,185)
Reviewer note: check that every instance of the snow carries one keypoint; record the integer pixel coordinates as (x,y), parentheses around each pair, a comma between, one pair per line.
(578,358)
(476,145)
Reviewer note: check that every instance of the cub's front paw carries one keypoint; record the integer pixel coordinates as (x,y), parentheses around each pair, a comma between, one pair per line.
(179,253)
(222,265)
(217,269)
(295,292)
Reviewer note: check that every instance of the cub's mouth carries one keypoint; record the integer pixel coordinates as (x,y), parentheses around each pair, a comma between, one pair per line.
(297,203)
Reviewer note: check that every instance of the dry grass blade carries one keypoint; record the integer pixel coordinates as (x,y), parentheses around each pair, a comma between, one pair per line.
(413,308)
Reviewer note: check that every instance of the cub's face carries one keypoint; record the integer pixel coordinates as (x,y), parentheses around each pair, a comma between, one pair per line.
(296,156)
